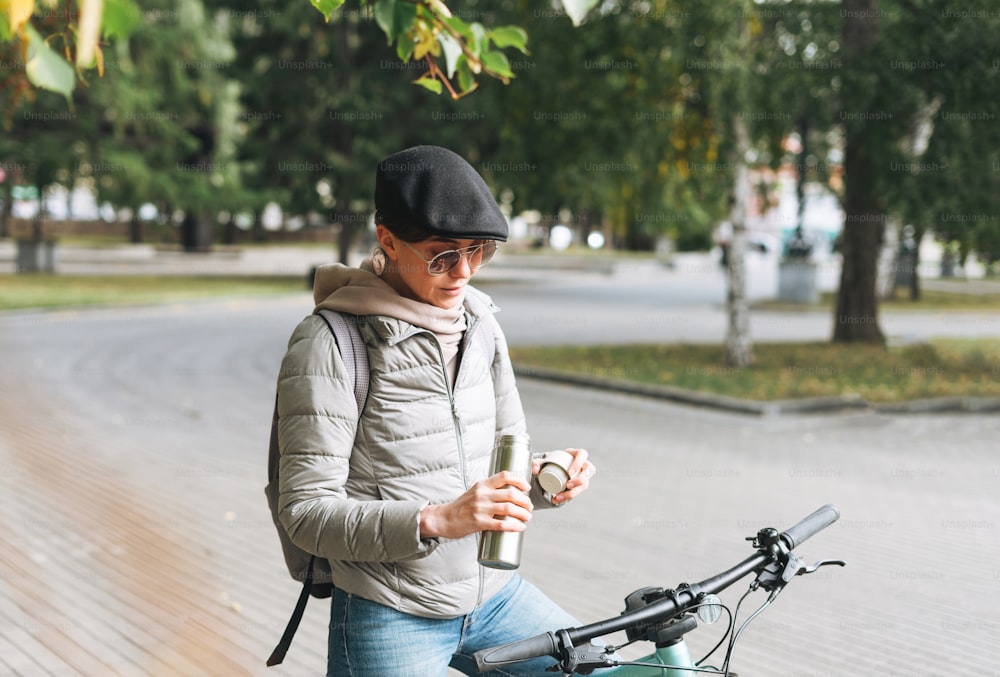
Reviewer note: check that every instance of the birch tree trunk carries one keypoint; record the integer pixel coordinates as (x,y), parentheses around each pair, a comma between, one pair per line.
(739,344)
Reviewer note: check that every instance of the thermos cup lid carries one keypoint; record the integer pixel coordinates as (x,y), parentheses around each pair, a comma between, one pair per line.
(553,475)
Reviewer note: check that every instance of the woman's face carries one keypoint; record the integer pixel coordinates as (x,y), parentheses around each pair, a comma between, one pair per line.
(407,270)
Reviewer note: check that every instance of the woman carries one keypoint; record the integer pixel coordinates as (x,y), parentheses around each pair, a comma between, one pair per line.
(396,500)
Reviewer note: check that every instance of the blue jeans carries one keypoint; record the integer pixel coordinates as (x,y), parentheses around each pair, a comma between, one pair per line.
(372,640)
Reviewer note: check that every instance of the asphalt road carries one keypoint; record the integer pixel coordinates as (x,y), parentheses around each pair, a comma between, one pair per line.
(647,302)
(133,445)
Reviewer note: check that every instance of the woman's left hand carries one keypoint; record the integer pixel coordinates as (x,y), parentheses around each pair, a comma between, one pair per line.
(580,471)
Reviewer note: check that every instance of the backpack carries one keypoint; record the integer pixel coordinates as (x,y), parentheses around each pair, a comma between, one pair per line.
(313,571)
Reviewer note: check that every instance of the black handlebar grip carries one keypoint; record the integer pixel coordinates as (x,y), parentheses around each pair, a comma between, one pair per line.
(811,525)
(525,649)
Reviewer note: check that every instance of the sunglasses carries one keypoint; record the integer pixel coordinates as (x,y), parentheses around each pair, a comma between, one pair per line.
(478,254)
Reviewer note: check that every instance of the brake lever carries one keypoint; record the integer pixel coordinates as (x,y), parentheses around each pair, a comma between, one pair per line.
(822,563)
(584,659)
(796,566)
(776,576)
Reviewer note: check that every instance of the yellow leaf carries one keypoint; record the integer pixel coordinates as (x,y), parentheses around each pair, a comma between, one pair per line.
(420,49)
(18,12)
(89,29)
(425,40)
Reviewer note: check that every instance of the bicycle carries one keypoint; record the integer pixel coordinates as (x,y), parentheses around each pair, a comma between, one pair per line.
(664,616)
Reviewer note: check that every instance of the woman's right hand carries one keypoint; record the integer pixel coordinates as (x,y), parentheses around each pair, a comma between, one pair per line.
(481,508)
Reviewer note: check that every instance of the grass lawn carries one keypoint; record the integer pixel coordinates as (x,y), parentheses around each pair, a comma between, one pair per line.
(52,291)
(942,368)
(929,300)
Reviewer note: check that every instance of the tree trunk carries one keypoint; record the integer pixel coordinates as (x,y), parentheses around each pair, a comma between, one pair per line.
(343,144)
(856,318)
(196,233)
(135,228)
(857,307)
(37,231)
(918,236)
(889,262)
(739,345)
(257,227)
(8,207)
(346,237)
(229,230)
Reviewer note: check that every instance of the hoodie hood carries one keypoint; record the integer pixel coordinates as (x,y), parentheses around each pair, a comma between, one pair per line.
(360,291)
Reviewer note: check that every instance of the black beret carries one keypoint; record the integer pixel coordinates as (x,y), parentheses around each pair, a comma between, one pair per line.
(435,189)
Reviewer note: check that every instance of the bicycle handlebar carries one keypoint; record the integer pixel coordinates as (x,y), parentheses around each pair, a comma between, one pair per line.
(523,650)
(548,644)
(810,526)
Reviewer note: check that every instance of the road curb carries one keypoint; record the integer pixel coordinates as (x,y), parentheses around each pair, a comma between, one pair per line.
(806,405)
(942,405)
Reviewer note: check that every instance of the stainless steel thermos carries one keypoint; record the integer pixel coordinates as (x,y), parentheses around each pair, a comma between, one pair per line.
(502,549)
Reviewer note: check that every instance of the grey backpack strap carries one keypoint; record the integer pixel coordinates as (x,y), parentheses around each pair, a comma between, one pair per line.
(352,351)
(355,356)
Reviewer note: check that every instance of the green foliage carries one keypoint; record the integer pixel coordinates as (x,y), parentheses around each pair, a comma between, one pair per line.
(327,7)
(510,36)
(395,17)
(610,123)
(121,17)
(45,68)
(58,45)
(425,30)
(159,127)
(625,120)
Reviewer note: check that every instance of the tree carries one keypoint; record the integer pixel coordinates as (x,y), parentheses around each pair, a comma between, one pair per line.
(38,146)
(160,125)
(321,104)
(948,184)
(897,96)
(153,126)
(856,315)
(606,120)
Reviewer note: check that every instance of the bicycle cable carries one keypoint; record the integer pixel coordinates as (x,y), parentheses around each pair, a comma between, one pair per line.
(664,666)
(735,638)
(729,630)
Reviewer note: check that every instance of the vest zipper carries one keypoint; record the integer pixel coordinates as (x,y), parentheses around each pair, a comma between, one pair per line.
(456,417)
(460,429)
(466,342)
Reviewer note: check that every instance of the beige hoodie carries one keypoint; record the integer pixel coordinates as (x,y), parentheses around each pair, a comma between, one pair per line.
(360,291)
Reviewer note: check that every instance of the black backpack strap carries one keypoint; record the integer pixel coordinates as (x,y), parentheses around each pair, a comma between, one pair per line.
(278,655)
(355,356)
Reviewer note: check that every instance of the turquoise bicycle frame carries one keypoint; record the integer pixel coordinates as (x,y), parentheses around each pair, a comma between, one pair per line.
(675,654)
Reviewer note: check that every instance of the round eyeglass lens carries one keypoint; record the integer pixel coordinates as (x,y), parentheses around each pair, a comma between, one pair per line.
(478,255)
